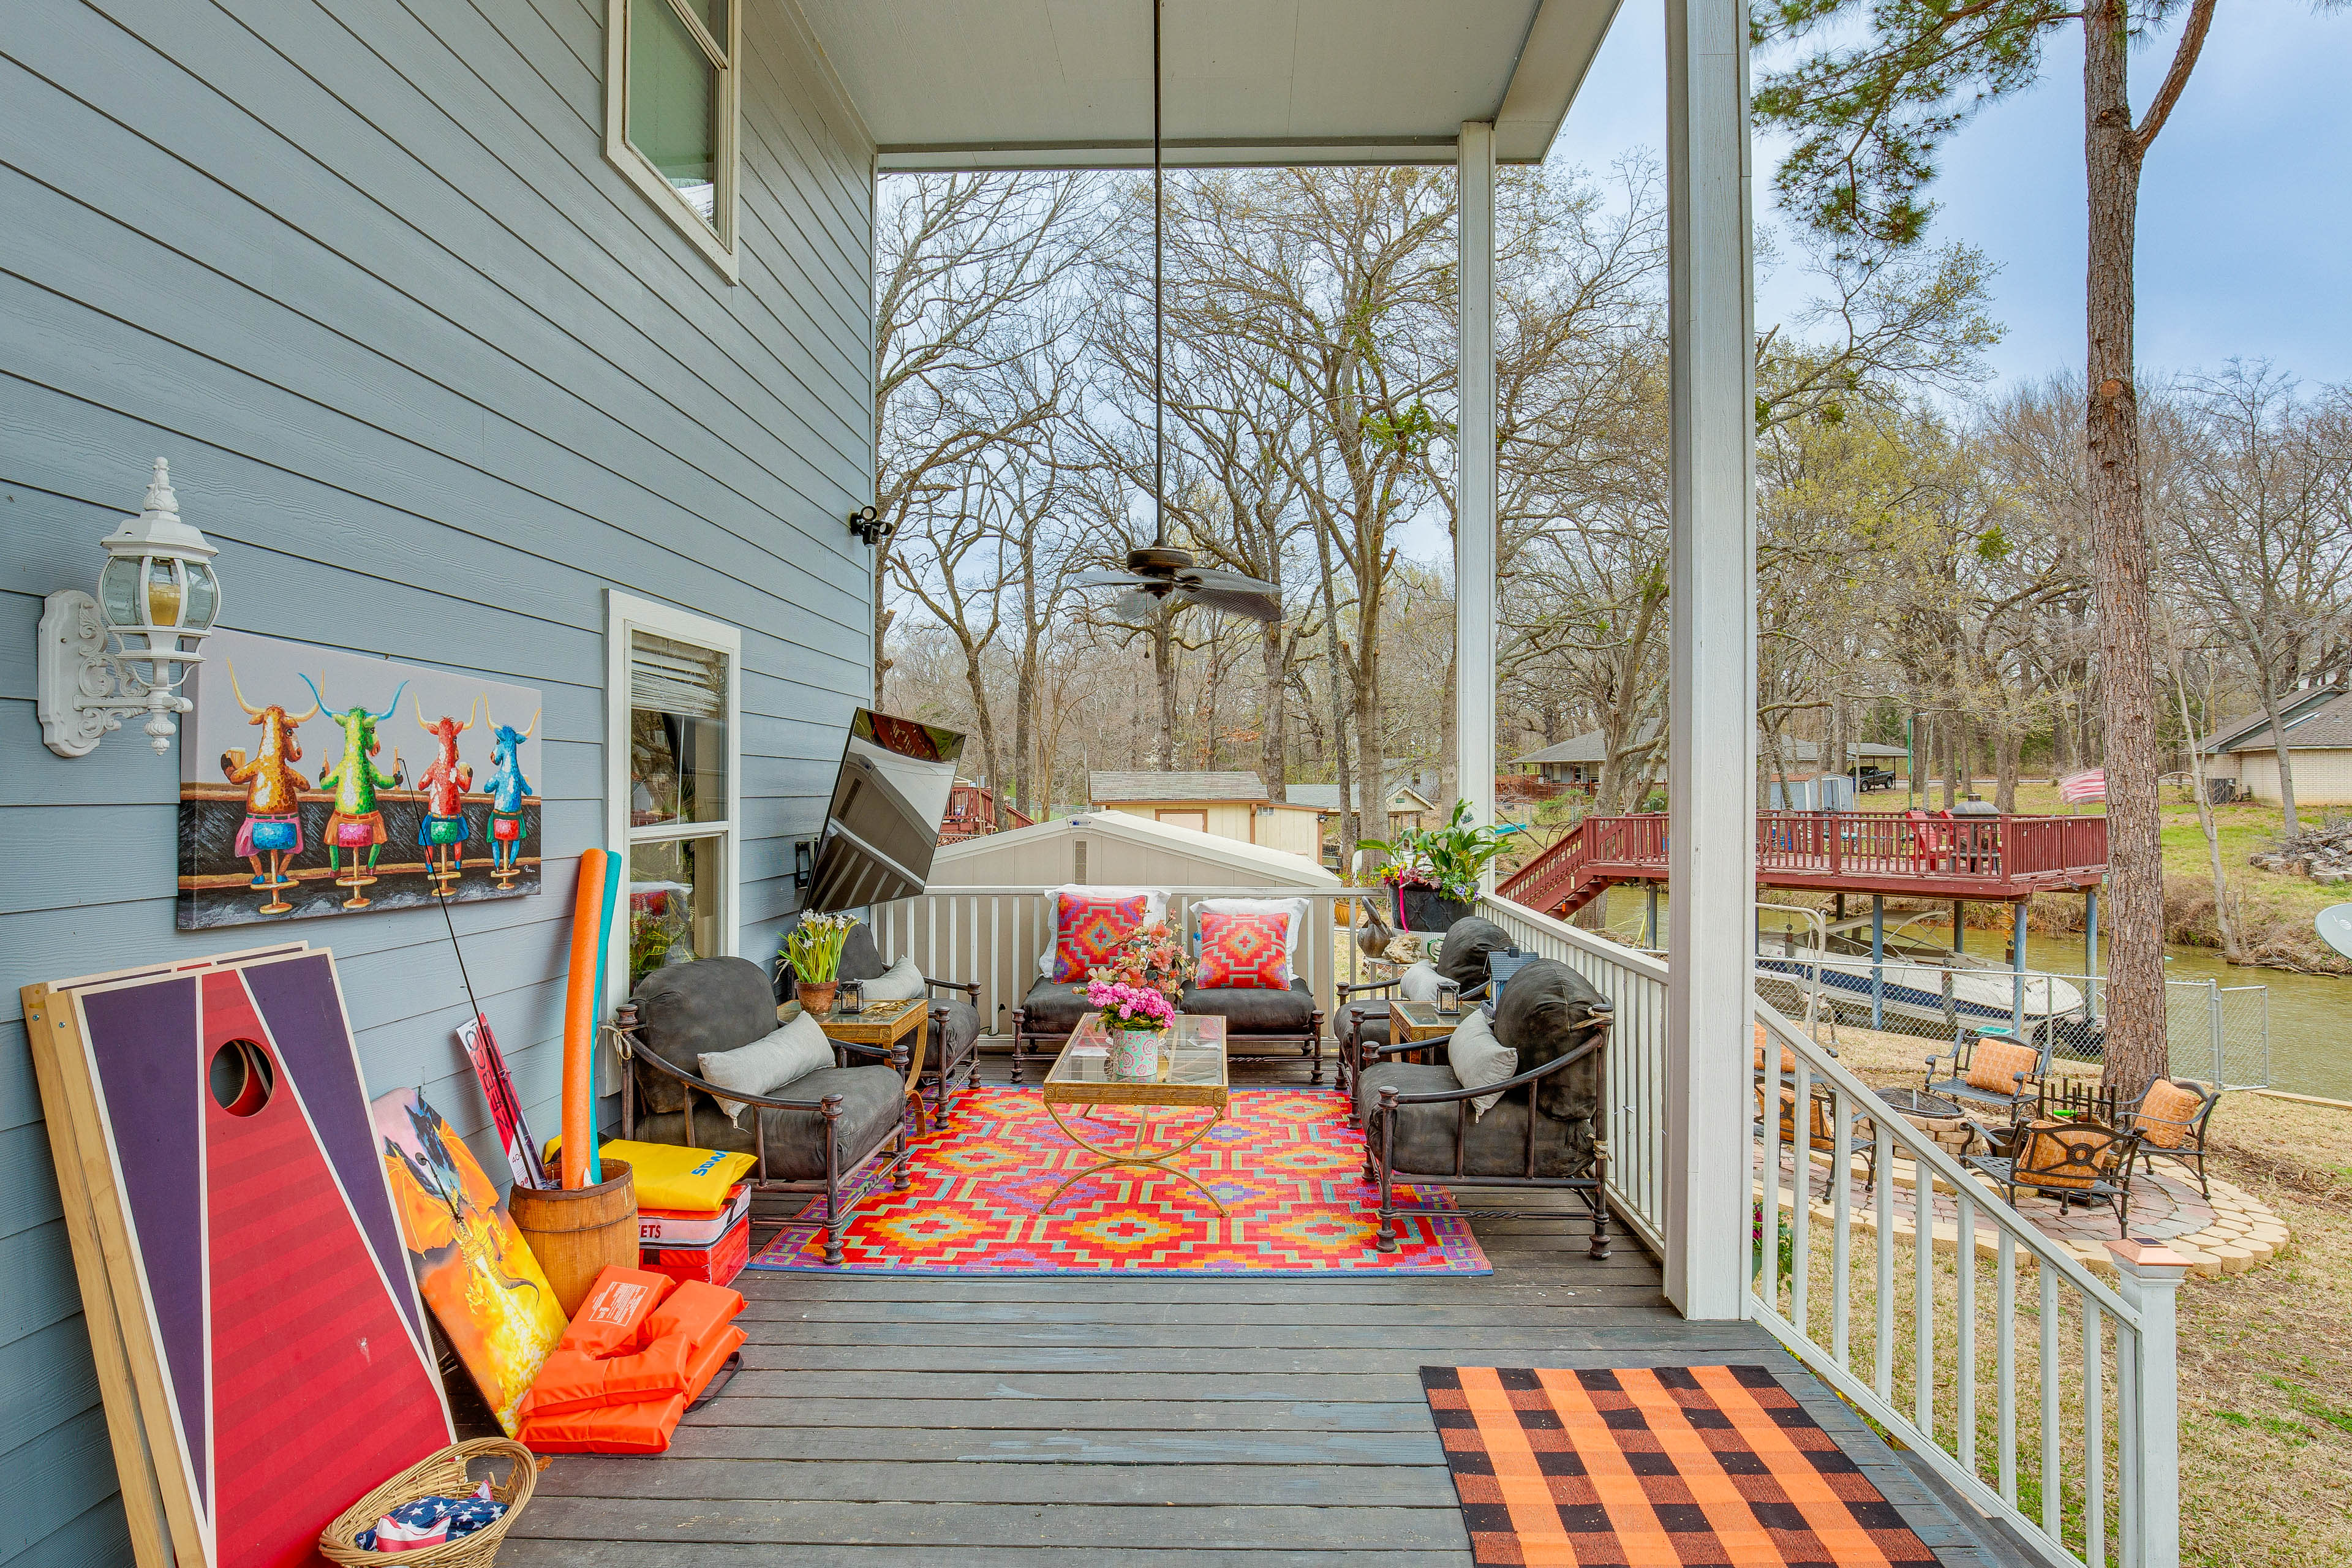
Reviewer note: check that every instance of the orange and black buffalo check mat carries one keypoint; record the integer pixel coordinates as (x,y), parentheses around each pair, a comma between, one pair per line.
(1653,1467)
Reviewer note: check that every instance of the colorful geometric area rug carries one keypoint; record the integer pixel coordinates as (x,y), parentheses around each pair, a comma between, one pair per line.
(1653,1467)
(1286,1163)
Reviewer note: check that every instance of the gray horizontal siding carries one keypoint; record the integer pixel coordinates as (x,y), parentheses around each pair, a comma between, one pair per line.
(432,376)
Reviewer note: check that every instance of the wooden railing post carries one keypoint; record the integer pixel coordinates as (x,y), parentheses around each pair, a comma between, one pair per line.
(2148,1277)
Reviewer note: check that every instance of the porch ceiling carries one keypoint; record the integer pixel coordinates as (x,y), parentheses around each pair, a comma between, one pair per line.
(1006,84)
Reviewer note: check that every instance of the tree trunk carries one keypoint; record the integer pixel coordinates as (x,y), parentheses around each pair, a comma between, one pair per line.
(1273,752)
(1163,672)
(2289,827)
(1953,735)
(2136,1046)
(2005,749)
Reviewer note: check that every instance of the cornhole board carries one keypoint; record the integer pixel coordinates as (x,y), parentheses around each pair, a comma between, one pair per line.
(261,1349)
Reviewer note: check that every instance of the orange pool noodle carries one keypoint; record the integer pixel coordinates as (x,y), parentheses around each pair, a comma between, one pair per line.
(580,1005)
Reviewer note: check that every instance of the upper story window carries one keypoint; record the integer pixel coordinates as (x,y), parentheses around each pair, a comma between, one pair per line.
(670,112)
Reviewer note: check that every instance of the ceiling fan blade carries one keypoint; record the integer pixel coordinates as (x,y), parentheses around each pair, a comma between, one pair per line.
(1135,604)
(1107,577)
(1221,580)
(1256,606)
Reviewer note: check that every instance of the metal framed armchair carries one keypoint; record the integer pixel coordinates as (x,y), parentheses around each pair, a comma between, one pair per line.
(1361,1013)
(1991,1072)
(952,1058)
(812,1135)
(1419,1126)
(2171,1116)
(2077,1158)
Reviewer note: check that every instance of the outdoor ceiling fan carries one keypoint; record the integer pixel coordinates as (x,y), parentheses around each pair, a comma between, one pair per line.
(1159,575)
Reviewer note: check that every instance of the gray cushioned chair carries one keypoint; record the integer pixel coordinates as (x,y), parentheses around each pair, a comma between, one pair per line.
(811,1136)
(1417,1122)
(951,1049)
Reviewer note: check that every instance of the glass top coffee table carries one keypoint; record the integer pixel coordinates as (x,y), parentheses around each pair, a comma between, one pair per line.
(1186,1072)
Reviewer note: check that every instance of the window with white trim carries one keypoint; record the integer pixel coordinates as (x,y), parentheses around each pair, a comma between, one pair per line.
(670,112)
(674,760)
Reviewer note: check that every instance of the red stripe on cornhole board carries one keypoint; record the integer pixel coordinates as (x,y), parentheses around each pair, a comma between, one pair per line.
(317,1395)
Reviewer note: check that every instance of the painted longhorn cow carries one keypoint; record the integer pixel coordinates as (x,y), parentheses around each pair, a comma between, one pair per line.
(507,789)
(273,819)
(443,830)
(357,821)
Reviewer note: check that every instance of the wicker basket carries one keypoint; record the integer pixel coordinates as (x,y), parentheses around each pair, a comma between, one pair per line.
(439,1474)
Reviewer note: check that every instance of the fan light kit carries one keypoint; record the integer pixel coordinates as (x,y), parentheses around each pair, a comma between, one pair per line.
(1159,575)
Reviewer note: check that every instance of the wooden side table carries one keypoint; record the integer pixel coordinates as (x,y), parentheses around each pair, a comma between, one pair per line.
(883,1023)
(1411,1021)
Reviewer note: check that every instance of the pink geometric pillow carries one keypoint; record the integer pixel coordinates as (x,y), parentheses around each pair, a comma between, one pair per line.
(1088,931)
(1242,952)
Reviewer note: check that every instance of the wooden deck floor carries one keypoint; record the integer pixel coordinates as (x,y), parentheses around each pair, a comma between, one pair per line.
(1219,1421)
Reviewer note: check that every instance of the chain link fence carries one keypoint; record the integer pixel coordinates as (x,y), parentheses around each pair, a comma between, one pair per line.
(2217,1033)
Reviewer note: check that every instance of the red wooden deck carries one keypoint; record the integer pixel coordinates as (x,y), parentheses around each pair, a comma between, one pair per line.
(1994,859)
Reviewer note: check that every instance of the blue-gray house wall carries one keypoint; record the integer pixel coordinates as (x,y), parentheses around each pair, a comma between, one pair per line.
(431,374)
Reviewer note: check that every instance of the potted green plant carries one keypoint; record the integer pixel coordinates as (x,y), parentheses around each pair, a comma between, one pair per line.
(812,950)
(1434,871)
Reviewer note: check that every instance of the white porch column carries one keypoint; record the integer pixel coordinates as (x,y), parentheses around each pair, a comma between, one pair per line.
(1711,787)
(1474,526)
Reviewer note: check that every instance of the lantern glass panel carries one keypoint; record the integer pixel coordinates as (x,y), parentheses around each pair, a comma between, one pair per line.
(117,591)
(204,597)
(165,593)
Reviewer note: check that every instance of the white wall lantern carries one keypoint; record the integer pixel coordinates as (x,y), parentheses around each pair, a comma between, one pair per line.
(157,599)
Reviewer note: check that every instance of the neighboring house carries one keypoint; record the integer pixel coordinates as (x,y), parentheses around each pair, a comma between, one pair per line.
(1233,806)
(1578,763)
(1408,807)
(2318,725)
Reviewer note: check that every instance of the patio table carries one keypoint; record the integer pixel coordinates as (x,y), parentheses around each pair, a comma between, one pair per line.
(1190,1071)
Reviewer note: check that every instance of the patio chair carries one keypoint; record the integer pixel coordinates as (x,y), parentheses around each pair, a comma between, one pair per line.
(811,1136)
(1820,1134)
(1420,1128)
(2081,1160)
(1988,1070)
(1362,1016)
(2171,1116)
(951,1053)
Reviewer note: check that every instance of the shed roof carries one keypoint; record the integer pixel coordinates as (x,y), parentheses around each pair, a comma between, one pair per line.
(1587,748)
(1325,797)
(1105,788)
(1127,849)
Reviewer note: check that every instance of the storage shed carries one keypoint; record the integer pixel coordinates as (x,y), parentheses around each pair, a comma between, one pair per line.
(1235,805)
(984,917)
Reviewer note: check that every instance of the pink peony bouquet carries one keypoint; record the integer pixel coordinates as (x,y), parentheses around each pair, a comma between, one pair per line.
(1150,960)
(1130,1007)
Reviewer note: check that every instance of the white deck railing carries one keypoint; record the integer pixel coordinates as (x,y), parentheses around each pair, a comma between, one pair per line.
(2046,1397)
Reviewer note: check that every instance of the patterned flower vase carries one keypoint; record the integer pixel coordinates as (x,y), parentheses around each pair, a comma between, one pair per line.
(1135,1053)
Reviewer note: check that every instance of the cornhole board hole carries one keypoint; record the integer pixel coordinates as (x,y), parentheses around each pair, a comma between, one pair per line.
(262,1350)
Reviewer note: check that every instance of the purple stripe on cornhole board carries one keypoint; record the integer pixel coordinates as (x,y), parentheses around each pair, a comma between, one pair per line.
(296,999)
(151,1080)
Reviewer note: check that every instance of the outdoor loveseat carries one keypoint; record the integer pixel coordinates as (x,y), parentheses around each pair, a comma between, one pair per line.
(1421,1127)
(810,1135)
(1258,1022)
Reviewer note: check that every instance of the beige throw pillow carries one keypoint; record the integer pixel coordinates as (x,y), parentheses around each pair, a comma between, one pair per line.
(767,1064)
(1478,1058)
(1419,984)
(902,982)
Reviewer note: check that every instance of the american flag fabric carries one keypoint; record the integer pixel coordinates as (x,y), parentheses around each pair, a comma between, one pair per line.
(2077,788)
(430,1521)
(1647,1467)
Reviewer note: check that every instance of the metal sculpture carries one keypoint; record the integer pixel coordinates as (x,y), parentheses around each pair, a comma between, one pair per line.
(507,790)
(443,830)
(357,822)
(273,818)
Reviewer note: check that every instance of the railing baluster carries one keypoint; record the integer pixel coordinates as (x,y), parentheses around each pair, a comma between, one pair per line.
(1841,1226)
(2095,1443)
(1923,1297)
(2005,1365)
(1882,1214)
(1964,1309)
(1800,1140)
(2054,1474)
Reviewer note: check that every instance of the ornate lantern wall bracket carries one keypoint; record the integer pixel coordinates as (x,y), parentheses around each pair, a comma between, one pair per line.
(127,650)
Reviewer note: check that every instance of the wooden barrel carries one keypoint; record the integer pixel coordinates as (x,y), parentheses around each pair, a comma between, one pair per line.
(575,1234)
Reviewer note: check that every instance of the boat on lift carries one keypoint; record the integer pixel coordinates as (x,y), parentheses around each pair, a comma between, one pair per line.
(1912,979)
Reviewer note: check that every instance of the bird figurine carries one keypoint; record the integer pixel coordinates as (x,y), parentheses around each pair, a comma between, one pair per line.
(1373,935)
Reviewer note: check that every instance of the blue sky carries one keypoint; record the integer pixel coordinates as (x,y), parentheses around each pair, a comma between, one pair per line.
(2246,232)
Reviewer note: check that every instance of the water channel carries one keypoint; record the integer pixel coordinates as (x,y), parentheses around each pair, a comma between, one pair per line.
(2310,1016)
